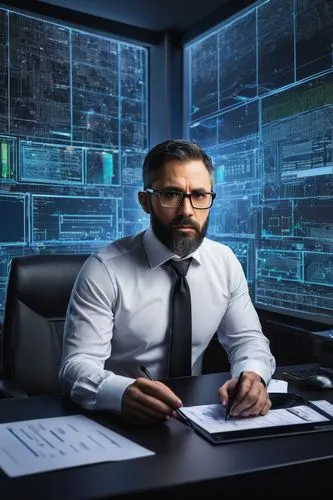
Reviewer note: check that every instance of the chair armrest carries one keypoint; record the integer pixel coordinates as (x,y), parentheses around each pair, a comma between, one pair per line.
(9,390)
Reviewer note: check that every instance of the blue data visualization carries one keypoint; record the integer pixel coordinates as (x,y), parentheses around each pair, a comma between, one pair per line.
(73,135)
(263,107)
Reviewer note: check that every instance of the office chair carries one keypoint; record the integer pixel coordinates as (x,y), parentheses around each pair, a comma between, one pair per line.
(38,291)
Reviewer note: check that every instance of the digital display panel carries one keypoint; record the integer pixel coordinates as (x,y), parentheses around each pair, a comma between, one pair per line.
(263,110)
(73,134)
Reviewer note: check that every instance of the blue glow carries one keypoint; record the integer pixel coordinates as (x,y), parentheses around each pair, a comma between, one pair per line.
(73,134)
(263,109)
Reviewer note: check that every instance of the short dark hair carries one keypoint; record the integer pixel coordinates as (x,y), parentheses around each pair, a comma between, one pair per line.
(172,150)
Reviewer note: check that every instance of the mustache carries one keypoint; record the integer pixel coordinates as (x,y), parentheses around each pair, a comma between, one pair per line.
(184,221)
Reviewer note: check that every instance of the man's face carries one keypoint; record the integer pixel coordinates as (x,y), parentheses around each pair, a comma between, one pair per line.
(181,229)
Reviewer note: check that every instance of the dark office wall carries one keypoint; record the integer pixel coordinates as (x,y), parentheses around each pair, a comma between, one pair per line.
(150,14)
(145,14)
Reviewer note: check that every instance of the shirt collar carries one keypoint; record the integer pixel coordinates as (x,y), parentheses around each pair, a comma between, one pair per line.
(157,253)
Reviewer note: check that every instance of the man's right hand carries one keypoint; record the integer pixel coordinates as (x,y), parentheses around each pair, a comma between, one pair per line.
(149,401)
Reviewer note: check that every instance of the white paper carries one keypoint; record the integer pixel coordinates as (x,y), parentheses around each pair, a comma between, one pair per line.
(212,418)
(276,385)
(40,445)
(324,405)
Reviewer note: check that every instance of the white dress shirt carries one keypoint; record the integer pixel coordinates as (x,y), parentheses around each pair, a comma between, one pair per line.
(117,318)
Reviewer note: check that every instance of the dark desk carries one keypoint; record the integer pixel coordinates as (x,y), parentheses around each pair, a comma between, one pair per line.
(184,462)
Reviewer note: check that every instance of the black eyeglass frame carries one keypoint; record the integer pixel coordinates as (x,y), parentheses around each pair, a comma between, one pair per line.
(184,195)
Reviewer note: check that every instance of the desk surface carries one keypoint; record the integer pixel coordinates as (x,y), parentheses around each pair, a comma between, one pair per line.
(184,462)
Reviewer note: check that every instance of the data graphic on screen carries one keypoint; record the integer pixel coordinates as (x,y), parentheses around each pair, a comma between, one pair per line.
(8,149)
(39,73)
(131,171)
(136,219)
(103,167)
(12,220)
(69,220)
(4,71)
(263,110)
(51,163)
(73,135)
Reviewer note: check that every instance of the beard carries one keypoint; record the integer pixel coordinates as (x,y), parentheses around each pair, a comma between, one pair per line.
(180,242)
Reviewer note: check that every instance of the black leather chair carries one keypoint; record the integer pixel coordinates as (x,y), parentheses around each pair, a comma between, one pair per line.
(38,291)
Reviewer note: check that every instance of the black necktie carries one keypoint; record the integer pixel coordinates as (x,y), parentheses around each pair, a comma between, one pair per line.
(180,355)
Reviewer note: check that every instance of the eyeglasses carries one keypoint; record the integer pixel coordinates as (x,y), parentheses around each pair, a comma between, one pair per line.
(200,200)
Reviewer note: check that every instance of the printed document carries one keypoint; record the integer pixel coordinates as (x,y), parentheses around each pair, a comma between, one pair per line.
(276,385)
(212,418)
(324,405)
(40,445)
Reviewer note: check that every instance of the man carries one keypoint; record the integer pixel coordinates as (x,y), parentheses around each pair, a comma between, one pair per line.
(118,318)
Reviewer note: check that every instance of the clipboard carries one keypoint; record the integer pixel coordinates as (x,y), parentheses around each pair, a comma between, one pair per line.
(295,414)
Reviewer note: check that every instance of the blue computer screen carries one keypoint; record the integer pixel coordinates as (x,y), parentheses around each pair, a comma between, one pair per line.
(263,107)
(73,134)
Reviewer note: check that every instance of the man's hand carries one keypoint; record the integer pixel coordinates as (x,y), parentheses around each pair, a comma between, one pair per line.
(149,401)
(252,397)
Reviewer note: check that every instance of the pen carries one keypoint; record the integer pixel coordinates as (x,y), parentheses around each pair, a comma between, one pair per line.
(232,397)
(180,414)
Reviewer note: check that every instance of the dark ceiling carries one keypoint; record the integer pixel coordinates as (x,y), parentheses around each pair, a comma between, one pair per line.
(156,15)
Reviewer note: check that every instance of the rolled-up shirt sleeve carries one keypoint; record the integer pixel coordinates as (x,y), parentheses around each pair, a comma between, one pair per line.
(87,341)
(240,331)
